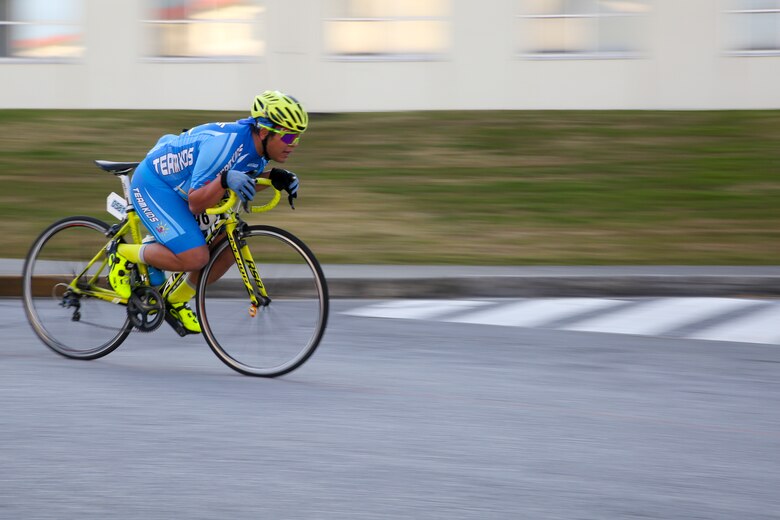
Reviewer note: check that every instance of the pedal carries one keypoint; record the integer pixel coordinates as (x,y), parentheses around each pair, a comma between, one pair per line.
(176,325)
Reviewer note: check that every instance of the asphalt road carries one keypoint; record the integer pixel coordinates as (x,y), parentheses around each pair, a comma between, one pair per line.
(393,419)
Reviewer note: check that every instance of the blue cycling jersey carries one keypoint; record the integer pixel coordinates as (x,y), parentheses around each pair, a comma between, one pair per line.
(196,157)
(179,163)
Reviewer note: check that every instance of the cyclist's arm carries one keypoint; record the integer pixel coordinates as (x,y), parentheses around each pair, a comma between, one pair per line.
(206,189)
(207,196)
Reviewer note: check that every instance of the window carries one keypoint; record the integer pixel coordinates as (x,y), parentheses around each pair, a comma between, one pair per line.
(387,29)
(753,27)
(41,29)
(581,28)
(204,29)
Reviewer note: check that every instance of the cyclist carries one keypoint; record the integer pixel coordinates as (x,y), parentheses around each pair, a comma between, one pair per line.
(185,174)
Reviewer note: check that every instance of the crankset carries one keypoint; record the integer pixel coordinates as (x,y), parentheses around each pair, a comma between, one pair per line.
(146,308)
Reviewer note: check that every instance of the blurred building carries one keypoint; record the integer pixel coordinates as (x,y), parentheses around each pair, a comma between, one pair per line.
(383,55)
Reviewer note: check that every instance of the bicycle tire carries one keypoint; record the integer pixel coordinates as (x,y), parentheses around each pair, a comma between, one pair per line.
(88,327)
(282,335)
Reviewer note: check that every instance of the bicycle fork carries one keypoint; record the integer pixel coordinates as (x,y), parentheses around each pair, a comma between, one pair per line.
(245,261)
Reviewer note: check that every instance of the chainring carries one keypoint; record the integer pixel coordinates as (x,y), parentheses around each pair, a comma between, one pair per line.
(146,308)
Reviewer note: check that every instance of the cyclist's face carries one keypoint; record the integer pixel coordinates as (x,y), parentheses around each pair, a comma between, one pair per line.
(278,147)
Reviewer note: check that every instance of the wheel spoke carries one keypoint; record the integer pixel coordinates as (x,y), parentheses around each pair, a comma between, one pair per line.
(282,335)
(67,247)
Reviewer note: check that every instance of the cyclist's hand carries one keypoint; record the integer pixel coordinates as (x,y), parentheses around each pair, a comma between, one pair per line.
(285,180)
(242,184)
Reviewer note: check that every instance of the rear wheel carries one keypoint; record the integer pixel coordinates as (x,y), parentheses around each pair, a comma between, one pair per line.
(69,322)
(283,334)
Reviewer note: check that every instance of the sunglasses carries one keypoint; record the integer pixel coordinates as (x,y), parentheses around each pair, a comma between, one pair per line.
(290,139)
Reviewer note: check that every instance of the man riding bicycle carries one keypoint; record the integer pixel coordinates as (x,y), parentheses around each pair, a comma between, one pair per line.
(184,175)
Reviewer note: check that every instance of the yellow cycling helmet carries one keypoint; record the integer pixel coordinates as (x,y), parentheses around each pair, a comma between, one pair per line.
(274,108)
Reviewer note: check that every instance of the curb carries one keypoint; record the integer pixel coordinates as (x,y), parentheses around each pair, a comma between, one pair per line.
(10,286)
(572,286)
(525,286)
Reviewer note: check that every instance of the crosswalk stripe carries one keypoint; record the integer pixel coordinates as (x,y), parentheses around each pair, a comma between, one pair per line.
(762,326)
(415,309)
(738,320)
(534,313)
(659,316)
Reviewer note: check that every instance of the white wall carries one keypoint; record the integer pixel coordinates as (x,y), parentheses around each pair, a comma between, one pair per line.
(685,68)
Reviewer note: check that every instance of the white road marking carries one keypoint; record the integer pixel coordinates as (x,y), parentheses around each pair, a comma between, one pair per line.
(655,317)
(658,316)
(534,313)
(762,326)
(415,309)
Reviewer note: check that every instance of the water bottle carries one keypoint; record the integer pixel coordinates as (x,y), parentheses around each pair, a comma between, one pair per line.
(156,276)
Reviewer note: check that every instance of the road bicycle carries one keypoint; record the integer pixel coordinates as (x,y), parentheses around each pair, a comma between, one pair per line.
(257,325)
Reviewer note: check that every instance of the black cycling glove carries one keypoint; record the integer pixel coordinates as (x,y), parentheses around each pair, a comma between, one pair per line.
(286,180)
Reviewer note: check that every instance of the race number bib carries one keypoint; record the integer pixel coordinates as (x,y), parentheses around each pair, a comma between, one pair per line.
(206,221)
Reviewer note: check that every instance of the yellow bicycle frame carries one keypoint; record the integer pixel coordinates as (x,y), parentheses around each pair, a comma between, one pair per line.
(241,252)
(133,226)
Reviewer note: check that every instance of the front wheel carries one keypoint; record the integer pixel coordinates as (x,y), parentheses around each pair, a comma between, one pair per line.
(73,321)
(281,335)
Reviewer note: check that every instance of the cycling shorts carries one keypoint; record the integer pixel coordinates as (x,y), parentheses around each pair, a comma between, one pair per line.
(164,213)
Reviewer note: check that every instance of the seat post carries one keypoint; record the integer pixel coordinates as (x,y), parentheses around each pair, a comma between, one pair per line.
(125,180)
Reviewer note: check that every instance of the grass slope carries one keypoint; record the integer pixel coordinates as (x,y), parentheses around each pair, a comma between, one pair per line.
(481,188)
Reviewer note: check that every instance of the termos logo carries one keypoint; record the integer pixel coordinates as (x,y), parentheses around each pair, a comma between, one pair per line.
(174,162)
(143,206)
(234,160)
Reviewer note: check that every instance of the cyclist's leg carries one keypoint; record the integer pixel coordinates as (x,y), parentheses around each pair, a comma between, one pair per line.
(221,265)
(180,244)
(162,257)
